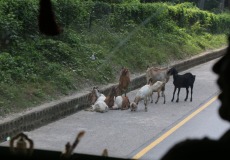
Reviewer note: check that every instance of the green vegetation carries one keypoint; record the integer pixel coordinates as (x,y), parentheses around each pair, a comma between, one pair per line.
(35,68)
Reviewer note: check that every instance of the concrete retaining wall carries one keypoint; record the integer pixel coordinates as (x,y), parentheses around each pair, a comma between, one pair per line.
(53,111)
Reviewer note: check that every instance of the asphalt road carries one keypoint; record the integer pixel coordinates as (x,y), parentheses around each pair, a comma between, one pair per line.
(203,122)
(125,132)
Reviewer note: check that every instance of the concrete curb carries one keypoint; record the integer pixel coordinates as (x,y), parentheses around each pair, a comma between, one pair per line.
(53,111)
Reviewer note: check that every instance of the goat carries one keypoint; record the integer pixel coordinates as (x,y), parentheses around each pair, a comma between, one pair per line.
(97,101)
(124,81)
(109,100)
(182,81)
(100,106)
(96,95)
(121,102)
(145,93)
(158,88)
(158,74)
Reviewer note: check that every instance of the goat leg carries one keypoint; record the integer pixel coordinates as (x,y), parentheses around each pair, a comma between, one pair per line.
(151,97)
(163,90)
(173,94)
(191,93)
(178,95)
(158,95)
(145,103)
(187,92)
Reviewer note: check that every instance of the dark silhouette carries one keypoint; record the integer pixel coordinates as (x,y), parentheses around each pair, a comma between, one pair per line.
(46,19)
(197,149)
(182,81)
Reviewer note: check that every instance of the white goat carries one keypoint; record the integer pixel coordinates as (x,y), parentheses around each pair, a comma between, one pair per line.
(158,74)
(99,105)
(101,97)
(158,88)
(145,93)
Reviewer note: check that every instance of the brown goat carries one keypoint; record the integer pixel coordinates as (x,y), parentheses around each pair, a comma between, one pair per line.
(124,81)
(93,96)
(109,100)
(125,103)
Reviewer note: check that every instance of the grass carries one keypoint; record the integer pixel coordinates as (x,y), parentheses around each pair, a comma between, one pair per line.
(61,69)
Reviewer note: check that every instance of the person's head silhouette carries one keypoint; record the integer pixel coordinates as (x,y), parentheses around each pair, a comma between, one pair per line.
(222,69)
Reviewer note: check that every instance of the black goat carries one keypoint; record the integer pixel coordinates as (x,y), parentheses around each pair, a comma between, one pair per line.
(182,81)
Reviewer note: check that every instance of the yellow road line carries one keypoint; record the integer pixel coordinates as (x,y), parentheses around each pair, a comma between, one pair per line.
(165,135)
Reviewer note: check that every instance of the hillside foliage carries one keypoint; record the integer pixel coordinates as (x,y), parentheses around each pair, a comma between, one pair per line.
(35,68)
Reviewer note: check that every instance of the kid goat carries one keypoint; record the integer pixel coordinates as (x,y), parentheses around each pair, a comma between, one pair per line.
(158,74)
(97,101)
(182,81)
(101,103)
(145,93)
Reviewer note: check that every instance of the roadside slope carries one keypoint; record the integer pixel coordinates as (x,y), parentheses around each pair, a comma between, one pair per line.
(49,112)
